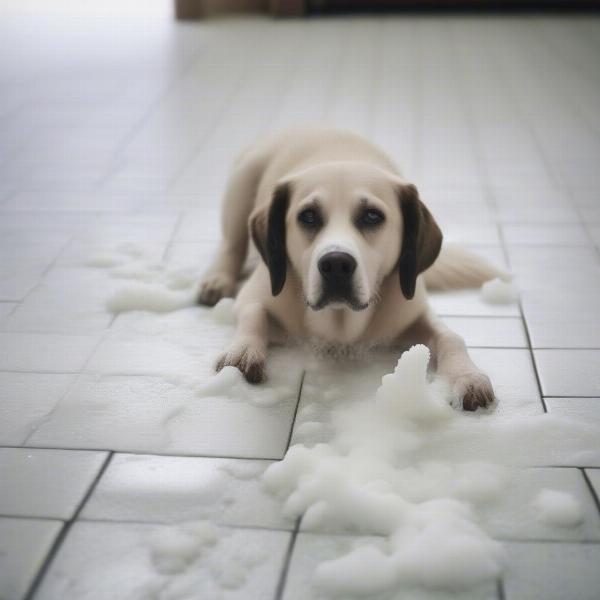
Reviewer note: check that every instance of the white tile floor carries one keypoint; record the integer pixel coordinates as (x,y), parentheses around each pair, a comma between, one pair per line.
(116,130)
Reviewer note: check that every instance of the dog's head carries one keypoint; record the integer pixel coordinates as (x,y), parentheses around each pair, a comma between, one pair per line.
(343,227)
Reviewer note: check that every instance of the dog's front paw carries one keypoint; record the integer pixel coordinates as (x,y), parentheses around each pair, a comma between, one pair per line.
(473,390)
(215,286)
(249,360)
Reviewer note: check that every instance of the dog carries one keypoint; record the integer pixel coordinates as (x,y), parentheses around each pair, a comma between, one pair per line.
(348,250)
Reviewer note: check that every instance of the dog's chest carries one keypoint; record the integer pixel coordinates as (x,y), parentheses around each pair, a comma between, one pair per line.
(336,325)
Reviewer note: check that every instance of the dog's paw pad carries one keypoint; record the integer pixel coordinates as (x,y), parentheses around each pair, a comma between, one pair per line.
(214,287)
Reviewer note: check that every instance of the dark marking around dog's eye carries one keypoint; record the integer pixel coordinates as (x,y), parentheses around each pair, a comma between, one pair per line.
(309,218)
(370,217)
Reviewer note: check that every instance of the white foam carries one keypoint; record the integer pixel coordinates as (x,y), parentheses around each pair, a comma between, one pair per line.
(497,291)
(558,508)
(405,466)
(148,297)
(173,549)
(153,287)
(366,480)
(198,560)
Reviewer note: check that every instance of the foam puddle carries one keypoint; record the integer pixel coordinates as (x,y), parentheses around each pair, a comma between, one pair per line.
(189,560)
(407,467)
(151,286)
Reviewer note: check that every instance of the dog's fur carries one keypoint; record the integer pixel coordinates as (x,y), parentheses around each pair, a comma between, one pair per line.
(365,222)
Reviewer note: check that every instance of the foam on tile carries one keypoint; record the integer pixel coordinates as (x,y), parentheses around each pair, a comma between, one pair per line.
(191,562)
(405,466)
(152,287)
(497,291)
(366,481)
(554,507)
(148,297)
(230,383)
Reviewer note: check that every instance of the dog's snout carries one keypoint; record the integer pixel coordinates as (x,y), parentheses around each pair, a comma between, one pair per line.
(337,266)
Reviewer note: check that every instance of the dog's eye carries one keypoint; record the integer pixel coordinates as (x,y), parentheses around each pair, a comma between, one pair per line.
(371,217)
(309,217)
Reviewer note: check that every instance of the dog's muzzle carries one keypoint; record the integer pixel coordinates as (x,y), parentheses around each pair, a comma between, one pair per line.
(337,271)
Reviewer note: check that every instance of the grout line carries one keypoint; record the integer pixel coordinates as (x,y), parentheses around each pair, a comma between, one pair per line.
(295,411)
(171,523)
(591,488)
(32,518)
(525,323)
(37,580)
(287,562)
(169,245)
(500,589)
(143,453)
(596,397)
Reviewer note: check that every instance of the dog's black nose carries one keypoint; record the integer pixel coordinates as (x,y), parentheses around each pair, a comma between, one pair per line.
(337,266)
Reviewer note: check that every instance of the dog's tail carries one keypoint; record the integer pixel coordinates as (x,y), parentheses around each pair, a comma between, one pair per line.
(457,267)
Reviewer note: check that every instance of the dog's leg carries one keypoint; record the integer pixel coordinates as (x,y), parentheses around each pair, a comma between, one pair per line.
(469,385)
(248,351)
(220,280)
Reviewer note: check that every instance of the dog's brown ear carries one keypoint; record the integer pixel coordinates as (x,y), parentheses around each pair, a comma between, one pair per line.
(421,240)
(267,227)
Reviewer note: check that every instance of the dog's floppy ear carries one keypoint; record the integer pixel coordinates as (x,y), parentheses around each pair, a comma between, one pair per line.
(421,241)
(267,227)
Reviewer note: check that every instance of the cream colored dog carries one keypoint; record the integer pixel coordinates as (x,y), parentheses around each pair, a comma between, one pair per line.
(347,247)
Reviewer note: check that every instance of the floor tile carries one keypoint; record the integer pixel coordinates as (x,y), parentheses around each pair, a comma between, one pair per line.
(563,234)
(17,278)
(192,255)
(469,303)
(176,488)
(485,234)
(583,409)
(199,226)
(24,544)
(161,561)
(512,375)
(6,308)
(85,254)
(565,320)
(49,308)
(46,483)
(186,342)
(552,571)
(489,332)
(594,477)
(311,549)
(45,352)
(25,399)
(515,517)
(167,416)
(569,372)
(532,268)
